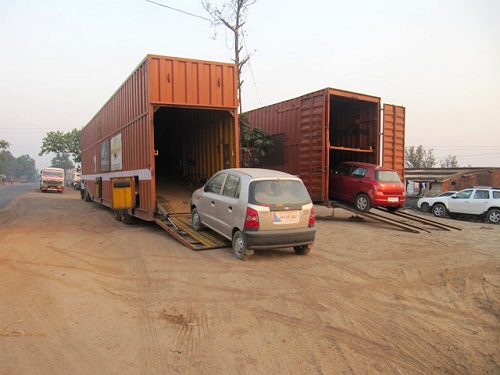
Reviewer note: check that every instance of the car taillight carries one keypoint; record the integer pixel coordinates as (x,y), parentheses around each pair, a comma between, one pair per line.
(252,219)
(312,218)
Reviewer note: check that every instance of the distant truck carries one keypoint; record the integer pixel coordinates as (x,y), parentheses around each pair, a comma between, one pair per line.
(173,123)
(52,179)
(69,177)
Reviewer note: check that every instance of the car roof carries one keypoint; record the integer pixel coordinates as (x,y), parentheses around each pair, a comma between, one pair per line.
(261,173)
(367,165)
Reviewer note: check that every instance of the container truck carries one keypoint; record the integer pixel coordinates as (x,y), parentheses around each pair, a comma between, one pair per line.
(171,125)
(315,132)
(52,179)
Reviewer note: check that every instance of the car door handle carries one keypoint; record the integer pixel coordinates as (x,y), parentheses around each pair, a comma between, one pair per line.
(213,203)
(230,208)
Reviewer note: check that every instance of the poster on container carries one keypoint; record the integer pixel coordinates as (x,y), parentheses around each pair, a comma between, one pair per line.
(105,156)
(116,153)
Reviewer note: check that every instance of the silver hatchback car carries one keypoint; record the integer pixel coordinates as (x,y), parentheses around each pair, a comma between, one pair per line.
(256,209)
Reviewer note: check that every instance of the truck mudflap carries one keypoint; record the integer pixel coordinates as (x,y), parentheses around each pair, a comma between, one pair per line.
(178,224)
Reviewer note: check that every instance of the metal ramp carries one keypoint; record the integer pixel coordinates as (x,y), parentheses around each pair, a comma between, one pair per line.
(404,221)
(172,217)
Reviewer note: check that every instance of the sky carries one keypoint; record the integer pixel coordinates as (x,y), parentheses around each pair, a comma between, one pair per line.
(62,60)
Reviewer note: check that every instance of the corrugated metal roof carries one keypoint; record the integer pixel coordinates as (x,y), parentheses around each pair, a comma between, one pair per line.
(441,174)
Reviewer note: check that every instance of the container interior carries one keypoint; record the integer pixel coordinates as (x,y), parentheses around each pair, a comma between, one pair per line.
(353,130)
(191,144)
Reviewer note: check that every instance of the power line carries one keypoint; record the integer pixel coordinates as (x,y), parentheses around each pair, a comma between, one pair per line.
(179,10)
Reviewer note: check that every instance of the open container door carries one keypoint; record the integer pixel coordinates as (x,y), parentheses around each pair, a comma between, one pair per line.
(394,138)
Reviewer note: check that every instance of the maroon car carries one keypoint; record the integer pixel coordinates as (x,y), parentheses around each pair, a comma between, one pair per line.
(367,185)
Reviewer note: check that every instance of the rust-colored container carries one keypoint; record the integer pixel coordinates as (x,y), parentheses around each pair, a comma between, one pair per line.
(315,132)
(173,120)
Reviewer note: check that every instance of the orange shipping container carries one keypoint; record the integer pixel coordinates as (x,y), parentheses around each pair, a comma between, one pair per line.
(315,132)
(172,122)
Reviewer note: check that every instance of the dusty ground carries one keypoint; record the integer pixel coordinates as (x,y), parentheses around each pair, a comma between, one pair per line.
(81,293)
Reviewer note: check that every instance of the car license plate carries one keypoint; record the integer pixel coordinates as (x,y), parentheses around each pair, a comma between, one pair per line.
(286,217)
(396,199)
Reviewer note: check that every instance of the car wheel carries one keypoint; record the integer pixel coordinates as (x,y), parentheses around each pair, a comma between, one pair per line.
(239,245)
(439,210)
(493,216)
(424,207)
(362,203)
(196,221)
(303,250)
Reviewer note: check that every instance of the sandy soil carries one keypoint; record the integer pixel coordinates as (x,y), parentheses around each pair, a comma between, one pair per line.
(81,293)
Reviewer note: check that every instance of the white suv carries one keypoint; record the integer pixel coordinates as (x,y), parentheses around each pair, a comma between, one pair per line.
(480,201)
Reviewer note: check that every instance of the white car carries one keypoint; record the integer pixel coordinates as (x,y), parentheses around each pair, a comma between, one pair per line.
(425,204)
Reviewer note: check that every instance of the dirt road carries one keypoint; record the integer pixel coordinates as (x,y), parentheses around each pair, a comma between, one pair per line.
(81,293)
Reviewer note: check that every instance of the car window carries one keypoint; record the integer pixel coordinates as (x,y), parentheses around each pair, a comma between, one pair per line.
(359,172)
(446,194)
(215,183)
(464,194)
(387,176)
(496,194)
(232,187)
(481,194)
(342,170)
(278,193)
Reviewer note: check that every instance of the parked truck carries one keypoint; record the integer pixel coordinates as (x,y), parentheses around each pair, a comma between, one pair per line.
(315,132)
(168,127)
(52,179)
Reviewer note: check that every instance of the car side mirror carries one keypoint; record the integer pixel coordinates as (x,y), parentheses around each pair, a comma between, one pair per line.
(205,188)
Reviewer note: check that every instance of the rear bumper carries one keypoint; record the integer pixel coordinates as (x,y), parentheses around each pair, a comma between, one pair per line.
(383,200)
(278,239)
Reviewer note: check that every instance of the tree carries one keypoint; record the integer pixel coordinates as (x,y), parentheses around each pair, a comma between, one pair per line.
(449,162)
(4,145)
(62,161)
(232,15)
(418,157)
(255,143)
(63,143)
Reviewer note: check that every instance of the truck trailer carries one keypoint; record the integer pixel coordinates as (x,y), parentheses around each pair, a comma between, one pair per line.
(315,132)
(170,126)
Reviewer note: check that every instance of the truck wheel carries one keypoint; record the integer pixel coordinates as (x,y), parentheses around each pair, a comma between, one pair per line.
(439,210)
(493,216)
(303,250)
(362,203)
(126,217)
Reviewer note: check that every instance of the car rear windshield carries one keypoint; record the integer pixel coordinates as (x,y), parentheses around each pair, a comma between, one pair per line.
(278,193)
(387,176)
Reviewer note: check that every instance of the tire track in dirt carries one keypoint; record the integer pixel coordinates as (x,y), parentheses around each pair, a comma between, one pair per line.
(151,354)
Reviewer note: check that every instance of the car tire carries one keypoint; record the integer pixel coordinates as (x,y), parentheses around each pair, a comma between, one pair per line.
(493,216)
(302,250)
(196,220)
(239,246)
(425,207)
(439,210)
(362,203)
